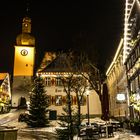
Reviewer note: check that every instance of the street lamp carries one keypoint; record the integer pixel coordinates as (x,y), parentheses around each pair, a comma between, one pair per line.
(88,107)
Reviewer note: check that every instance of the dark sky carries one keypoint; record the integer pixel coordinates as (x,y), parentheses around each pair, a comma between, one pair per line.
(95,27)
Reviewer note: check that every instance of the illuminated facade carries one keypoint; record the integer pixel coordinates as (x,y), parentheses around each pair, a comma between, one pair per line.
(5,92)
(130,7)
(23,63)
(52,74)
(127,43)
(132,62)
(117,85)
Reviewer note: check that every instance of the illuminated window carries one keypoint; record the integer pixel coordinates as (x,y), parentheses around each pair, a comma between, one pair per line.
(48,81)
(58,81)
(58,100)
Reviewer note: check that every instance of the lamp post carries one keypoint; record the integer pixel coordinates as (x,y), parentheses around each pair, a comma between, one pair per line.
(88,107)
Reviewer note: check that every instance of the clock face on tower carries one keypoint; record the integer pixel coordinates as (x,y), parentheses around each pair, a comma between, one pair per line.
(24,52)
(24,56)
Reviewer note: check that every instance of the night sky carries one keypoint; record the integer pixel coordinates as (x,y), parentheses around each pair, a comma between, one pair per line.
(95,27)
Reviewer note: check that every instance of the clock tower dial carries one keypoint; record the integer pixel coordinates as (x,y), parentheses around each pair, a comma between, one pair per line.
(24,52)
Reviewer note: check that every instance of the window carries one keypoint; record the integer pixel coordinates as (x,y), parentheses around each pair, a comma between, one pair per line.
(58,100)
(58,81)
(48,81)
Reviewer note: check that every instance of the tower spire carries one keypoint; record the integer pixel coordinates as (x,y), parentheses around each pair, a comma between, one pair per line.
(27,7)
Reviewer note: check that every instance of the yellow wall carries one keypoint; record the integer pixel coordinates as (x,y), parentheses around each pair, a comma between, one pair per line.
(24,65)
(94,101)
(2,75)
(117,83)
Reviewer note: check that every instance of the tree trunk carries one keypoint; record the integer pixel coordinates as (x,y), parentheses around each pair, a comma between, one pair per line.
(70,117)
(105,103)
(79,115)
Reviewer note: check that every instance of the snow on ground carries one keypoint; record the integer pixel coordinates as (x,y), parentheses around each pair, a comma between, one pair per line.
(11,119)
(117,135)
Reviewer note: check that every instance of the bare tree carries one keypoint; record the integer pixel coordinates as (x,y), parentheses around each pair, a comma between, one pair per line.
(68,84)
(79,87)
(73,82)
(82,74)
(94,77)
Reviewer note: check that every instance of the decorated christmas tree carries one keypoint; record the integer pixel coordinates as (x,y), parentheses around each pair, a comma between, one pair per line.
(38,105)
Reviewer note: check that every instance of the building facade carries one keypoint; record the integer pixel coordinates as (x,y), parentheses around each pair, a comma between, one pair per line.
(132,62)
(52,74)
(127,41)
(5,92)
(117,85)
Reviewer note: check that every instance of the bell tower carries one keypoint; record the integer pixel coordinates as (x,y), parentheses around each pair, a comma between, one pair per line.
(24,58)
